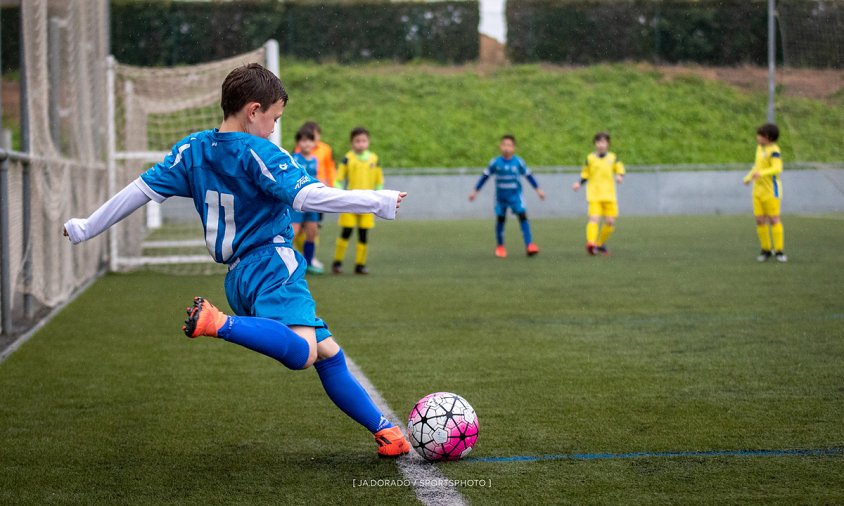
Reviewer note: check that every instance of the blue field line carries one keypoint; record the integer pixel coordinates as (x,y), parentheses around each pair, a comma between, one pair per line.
(795,452)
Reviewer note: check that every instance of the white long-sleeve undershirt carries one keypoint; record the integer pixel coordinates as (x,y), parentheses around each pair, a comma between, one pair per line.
(124,203)
(314,198)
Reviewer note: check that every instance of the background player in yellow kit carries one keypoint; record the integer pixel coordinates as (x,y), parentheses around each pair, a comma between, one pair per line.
(602,171)
(359,170)
(767,192)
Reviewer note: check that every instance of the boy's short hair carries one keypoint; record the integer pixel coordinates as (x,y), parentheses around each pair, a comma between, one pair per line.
(250,83)
(769,131)
(312,125)
(511,137)
(358,131)
(305,133)
(601,135)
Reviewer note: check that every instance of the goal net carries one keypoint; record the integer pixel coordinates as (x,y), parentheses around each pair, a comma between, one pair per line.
(812,38)
(150,108)
(62,168)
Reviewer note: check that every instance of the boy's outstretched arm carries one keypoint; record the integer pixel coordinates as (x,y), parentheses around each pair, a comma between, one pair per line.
(322,199)
(115,209)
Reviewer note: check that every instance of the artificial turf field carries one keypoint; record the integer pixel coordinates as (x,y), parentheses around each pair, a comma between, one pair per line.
(680,341)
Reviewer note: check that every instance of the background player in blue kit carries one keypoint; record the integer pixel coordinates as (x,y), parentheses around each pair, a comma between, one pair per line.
(243,188)
(306,223)
(508,169)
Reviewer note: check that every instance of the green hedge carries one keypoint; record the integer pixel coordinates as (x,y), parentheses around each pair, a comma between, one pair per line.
(169,33)
(722,32)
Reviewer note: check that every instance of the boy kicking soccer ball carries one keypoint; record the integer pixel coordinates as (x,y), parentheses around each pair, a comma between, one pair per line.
(507,170)
(243,186)
(767,192)
(602,171)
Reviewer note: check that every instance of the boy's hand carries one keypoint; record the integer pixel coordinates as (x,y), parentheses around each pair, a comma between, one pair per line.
(540,193)
(64,232)
(755,176)
(619,178)
(575,186)
(402,195)
(473,195)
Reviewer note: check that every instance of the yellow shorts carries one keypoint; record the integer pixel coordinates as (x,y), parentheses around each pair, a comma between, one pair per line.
(603,208)
(348,220)
(766,206)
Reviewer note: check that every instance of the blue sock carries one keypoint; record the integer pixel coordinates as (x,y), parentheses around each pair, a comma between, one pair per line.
(268,337)
(348,395)
(526,232)
(499,232)
(309,252)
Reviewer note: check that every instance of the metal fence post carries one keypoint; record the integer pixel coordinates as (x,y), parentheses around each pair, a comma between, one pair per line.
(5,250)
(26,218)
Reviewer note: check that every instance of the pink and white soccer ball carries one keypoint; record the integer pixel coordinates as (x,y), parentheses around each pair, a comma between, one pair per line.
(442,426)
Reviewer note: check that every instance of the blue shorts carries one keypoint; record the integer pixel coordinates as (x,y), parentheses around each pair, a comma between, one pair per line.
(297,217)
(515,202)
(270,282)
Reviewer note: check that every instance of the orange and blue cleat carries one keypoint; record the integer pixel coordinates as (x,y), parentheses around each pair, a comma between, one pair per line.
(532,249)
(500,251)
(203,319)
(391,442)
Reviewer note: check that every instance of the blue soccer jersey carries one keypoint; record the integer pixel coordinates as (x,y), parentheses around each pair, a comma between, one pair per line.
(242,186)
(309,164)
(507,172)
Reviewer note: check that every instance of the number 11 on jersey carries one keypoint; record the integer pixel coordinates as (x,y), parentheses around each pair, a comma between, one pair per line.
(215,201)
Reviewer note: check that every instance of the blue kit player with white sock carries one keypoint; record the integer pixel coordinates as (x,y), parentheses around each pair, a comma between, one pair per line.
(508,169)
(243,188)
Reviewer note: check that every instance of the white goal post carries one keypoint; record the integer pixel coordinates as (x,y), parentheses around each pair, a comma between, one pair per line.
(148,110)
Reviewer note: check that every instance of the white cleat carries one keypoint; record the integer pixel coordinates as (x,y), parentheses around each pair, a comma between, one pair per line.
(764,256)
(780,256)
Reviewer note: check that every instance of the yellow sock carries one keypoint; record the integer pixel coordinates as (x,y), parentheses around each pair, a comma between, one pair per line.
(591,232)
(764,236)
(779,239)
(606,232)
(340,252)
(360,258)
(299,241)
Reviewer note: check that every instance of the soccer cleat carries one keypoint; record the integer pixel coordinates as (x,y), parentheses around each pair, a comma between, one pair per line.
(203,319)
(313,269)
(603,250)
(391,442)
(532,249)
(780,256)
(316,263)
(590,248)
(764,256)
(361,269)
(500,251)
(337,267)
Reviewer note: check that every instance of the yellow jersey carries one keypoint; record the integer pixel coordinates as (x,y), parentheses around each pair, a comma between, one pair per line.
(599,173)
(360,172)
(769,166)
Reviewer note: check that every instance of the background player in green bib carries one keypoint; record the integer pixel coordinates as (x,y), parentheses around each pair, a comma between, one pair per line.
(767,192)
(244,187)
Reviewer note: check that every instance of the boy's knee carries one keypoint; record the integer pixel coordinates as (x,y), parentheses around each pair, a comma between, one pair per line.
(312,357)
(346,233)
(774,219)
(760,220)
(609,221)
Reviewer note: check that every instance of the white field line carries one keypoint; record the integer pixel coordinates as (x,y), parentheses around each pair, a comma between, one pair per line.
(431,486)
